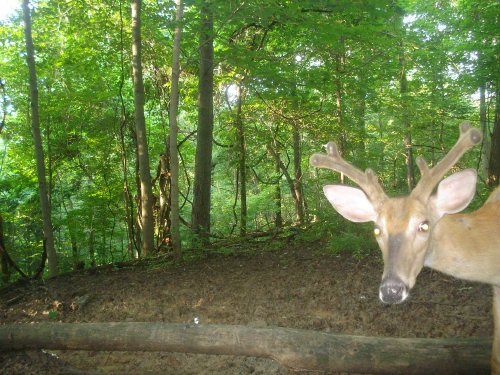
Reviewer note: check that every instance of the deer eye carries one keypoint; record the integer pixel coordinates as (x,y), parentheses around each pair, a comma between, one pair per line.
(423,226)
(377,232)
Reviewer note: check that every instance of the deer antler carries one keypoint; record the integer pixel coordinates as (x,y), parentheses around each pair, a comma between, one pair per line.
(367,180)
(469,137)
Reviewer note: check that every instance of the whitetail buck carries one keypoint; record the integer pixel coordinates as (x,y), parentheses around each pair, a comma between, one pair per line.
(423,228)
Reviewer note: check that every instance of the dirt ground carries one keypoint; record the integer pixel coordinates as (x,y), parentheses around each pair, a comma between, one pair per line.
(299,285)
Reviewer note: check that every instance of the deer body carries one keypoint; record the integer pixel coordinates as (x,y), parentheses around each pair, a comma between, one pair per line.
(425,228)
(456,245)
(456,248)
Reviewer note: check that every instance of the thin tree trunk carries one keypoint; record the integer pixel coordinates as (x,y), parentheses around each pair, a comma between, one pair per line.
(494,162)
(278,220)
(203,158)
(486,146)
(163,215)
(297,182)
(240,131)
(92,242)
(37,138)
(289,179)
(403,91)
(235,201)
(297,156)
(50,179)
(127,196)
(146,190)
(361,122)
(174,129)
(339,67)
(138,202)
(71,223)
(4,258)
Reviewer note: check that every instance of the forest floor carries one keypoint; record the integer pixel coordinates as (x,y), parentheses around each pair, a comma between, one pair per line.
(297,285)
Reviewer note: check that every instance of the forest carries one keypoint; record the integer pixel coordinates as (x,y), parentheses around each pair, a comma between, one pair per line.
(135,129)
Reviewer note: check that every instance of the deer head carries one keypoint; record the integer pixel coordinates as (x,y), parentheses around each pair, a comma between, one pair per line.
(403,225)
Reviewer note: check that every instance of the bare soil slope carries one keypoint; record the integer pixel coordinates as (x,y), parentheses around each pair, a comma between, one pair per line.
(298,285)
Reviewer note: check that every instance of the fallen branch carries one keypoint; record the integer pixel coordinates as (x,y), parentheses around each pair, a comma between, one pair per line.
(293,348)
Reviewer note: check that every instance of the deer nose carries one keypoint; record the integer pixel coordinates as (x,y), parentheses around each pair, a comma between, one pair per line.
(392,290)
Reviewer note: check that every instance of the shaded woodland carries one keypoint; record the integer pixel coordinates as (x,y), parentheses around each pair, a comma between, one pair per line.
(137,128)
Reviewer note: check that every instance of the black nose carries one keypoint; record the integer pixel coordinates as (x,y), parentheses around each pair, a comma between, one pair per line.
(392,290)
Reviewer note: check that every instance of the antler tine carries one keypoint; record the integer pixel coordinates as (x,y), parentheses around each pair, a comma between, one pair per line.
(469,137)
(367,180)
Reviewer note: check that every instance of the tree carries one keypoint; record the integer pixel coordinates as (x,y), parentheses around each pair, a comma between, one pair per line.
(203,162)
(37,139)
(477,34)
(494,165)
(174,129)
(309,72)
(242,165)
(405,116)
(146,191)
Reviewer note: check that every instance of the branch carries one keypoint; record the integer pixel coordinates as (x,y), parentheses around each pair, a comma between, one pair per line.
(269,182)
(41,267)
(4,104)
(281,114)
(294,348)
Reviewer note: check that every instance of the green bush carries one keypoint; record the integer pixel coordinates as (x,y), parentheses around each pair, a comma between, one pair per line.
(344,236)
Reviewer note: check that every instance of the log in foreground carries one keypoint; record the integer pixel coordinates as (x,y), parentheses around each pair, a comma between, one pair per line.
(294,348)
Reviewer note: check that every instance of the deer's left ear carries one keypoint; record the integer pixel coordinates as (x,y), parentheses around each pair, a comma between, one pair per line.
(455,192)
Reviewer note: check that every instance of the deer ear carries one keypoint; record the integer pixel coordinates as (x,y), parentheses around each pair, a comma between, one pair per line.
(351,203)
(455,192)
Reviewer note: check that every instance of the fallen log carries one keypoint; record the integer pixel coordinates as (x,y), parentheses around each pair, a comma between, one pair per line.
(294,348)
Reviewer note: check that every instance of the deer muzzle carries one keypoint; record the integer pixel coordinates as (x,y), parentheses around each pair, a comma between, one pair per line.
(393,290)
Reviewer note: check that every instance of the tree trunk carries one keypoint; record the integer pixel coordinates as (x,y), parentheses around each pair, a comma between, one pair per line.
(297,181)
(37,138)
(127,196)
(361,124)
(494,162)
(163,215)
(289,179)
(203,158)
(278,220)
(72,225)
(92,242)
(236,180)
(295,349)
(4,258)
(297,156)
(132,248)
(486,146)
(339,66)
(146,190)
(403,90)
(174,130)
(242,168)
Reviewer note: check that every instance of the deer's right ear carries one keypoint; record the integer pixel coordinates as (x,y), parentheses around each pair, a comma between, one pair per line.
(351,203)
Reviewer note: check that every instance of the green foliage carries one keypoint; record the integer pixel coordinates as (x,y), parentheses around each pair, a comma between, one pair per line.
(53,315)
(342,236)
(353,243)
(296,62)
